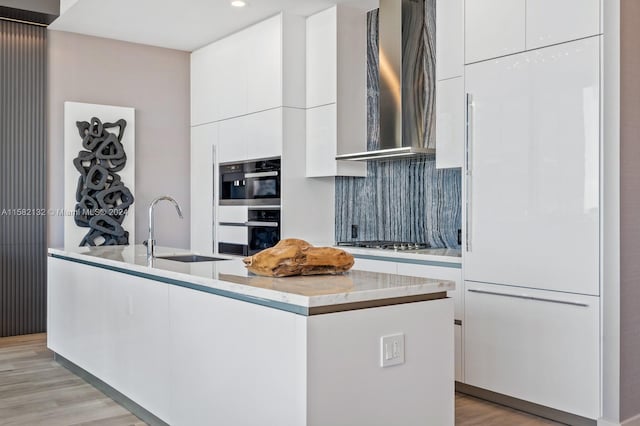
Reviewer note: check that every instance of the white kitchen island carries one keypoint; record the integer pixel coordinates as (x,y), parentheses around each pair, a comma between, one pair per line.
(210,344)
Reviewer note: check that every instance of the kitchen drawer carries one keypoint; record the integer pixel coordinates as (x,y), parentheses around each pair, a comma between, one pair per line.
(232,234)
(535,345)
(233,214)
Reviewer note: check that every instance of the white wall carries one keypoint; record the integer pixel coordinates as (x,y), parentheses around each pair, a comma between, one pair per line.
(621,201)
(629,208)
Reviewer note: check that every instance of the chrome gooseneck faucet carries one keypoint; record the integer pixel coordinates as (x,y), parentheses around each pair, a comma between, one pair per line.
(151,242)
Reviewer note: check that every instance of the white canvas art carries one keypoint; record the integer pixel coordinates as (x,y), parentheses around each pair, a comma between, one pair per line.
(99,158)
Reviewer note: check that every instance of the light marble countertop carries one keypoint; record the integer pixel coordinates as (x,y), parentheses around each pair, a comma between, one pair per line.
(231,278)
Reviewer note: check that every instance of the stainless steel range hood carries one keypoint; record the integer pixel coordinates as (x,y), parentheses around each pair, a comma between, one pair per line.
(406,91)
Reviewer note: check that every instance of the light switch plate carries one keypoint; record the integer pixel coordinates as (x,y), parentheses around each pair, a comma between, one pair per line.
(392,350)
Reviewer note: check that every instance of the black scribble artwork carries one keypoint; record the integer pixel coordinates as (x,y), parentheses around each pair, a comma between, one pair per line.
(102,198)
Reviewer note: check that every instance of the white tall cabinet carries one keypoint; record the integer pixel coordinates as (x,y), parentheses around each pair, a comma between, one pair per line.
(531,264)
(248,101)
(532,201)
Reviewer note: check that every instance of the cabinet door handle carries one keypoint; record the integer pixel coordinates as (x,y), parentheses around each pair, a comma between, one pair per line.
(260,174)
(527,297)
(251,223)
(468,162)
(262,224)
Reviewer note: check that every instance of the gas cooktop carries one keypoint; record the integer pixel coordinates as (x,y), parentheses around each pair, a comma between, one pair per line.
(385,245)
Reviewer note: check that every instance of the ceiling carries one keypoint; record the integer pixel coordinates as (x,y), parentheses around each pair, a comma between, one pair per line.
(178,24)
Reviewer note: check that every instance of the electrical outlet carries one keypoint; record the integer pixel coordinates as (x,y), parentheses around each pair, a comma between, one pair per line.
(392,350)
(354,231)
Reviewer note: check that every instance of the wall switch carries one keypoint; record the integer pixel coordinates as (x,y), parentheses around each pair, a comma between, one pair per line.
(392,350)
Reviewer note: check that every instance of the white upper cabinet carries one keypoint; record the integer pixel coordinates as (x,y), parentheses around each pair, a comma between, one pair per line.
(321,140)
(206,73)
(264,133)
(336,91)
(450,83)
(449,39)
(232,140)
(450,114)
(219,80)
(322,60)
(231,83)
(533,189)
(250,71)
(264,65)
(251,136)
(493,28)
(556,21)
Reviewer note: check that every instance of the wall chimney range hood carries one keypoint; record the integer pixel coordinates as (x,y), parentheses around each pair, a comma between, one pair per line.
(407,81)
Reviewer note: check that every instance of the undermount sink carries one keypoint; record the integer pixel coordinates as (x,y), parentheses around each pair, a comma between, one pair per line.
(189,258)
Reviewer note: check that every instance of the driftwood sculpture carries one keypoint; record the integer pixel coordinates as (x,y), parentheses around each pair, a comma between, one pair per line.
(298,257)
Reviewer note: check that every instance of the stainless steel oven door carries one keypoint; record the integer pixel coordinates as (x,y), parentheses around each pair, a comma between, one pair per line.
(263,188)
(262,235)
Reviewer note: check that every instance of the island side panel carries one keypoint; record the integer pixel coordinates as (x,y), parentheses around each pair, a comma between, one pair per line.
(114,326)
(347,385)
(235,363)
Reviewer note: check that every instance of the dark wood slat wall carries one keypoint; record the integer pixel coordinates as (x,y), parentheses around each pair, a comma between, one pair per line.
(23,236)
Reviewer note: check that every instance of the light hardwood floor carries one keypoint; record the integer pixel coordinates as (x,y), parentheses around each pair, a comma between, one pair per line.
(35,390)
(477,412)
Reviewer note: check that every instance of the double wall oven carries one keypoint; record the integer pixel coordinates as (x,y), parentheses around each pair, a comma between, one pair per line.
(249,206)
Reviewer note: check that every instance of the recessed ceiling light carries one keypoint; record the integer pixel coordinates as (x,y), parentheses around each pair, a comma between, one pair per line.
(238,3)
